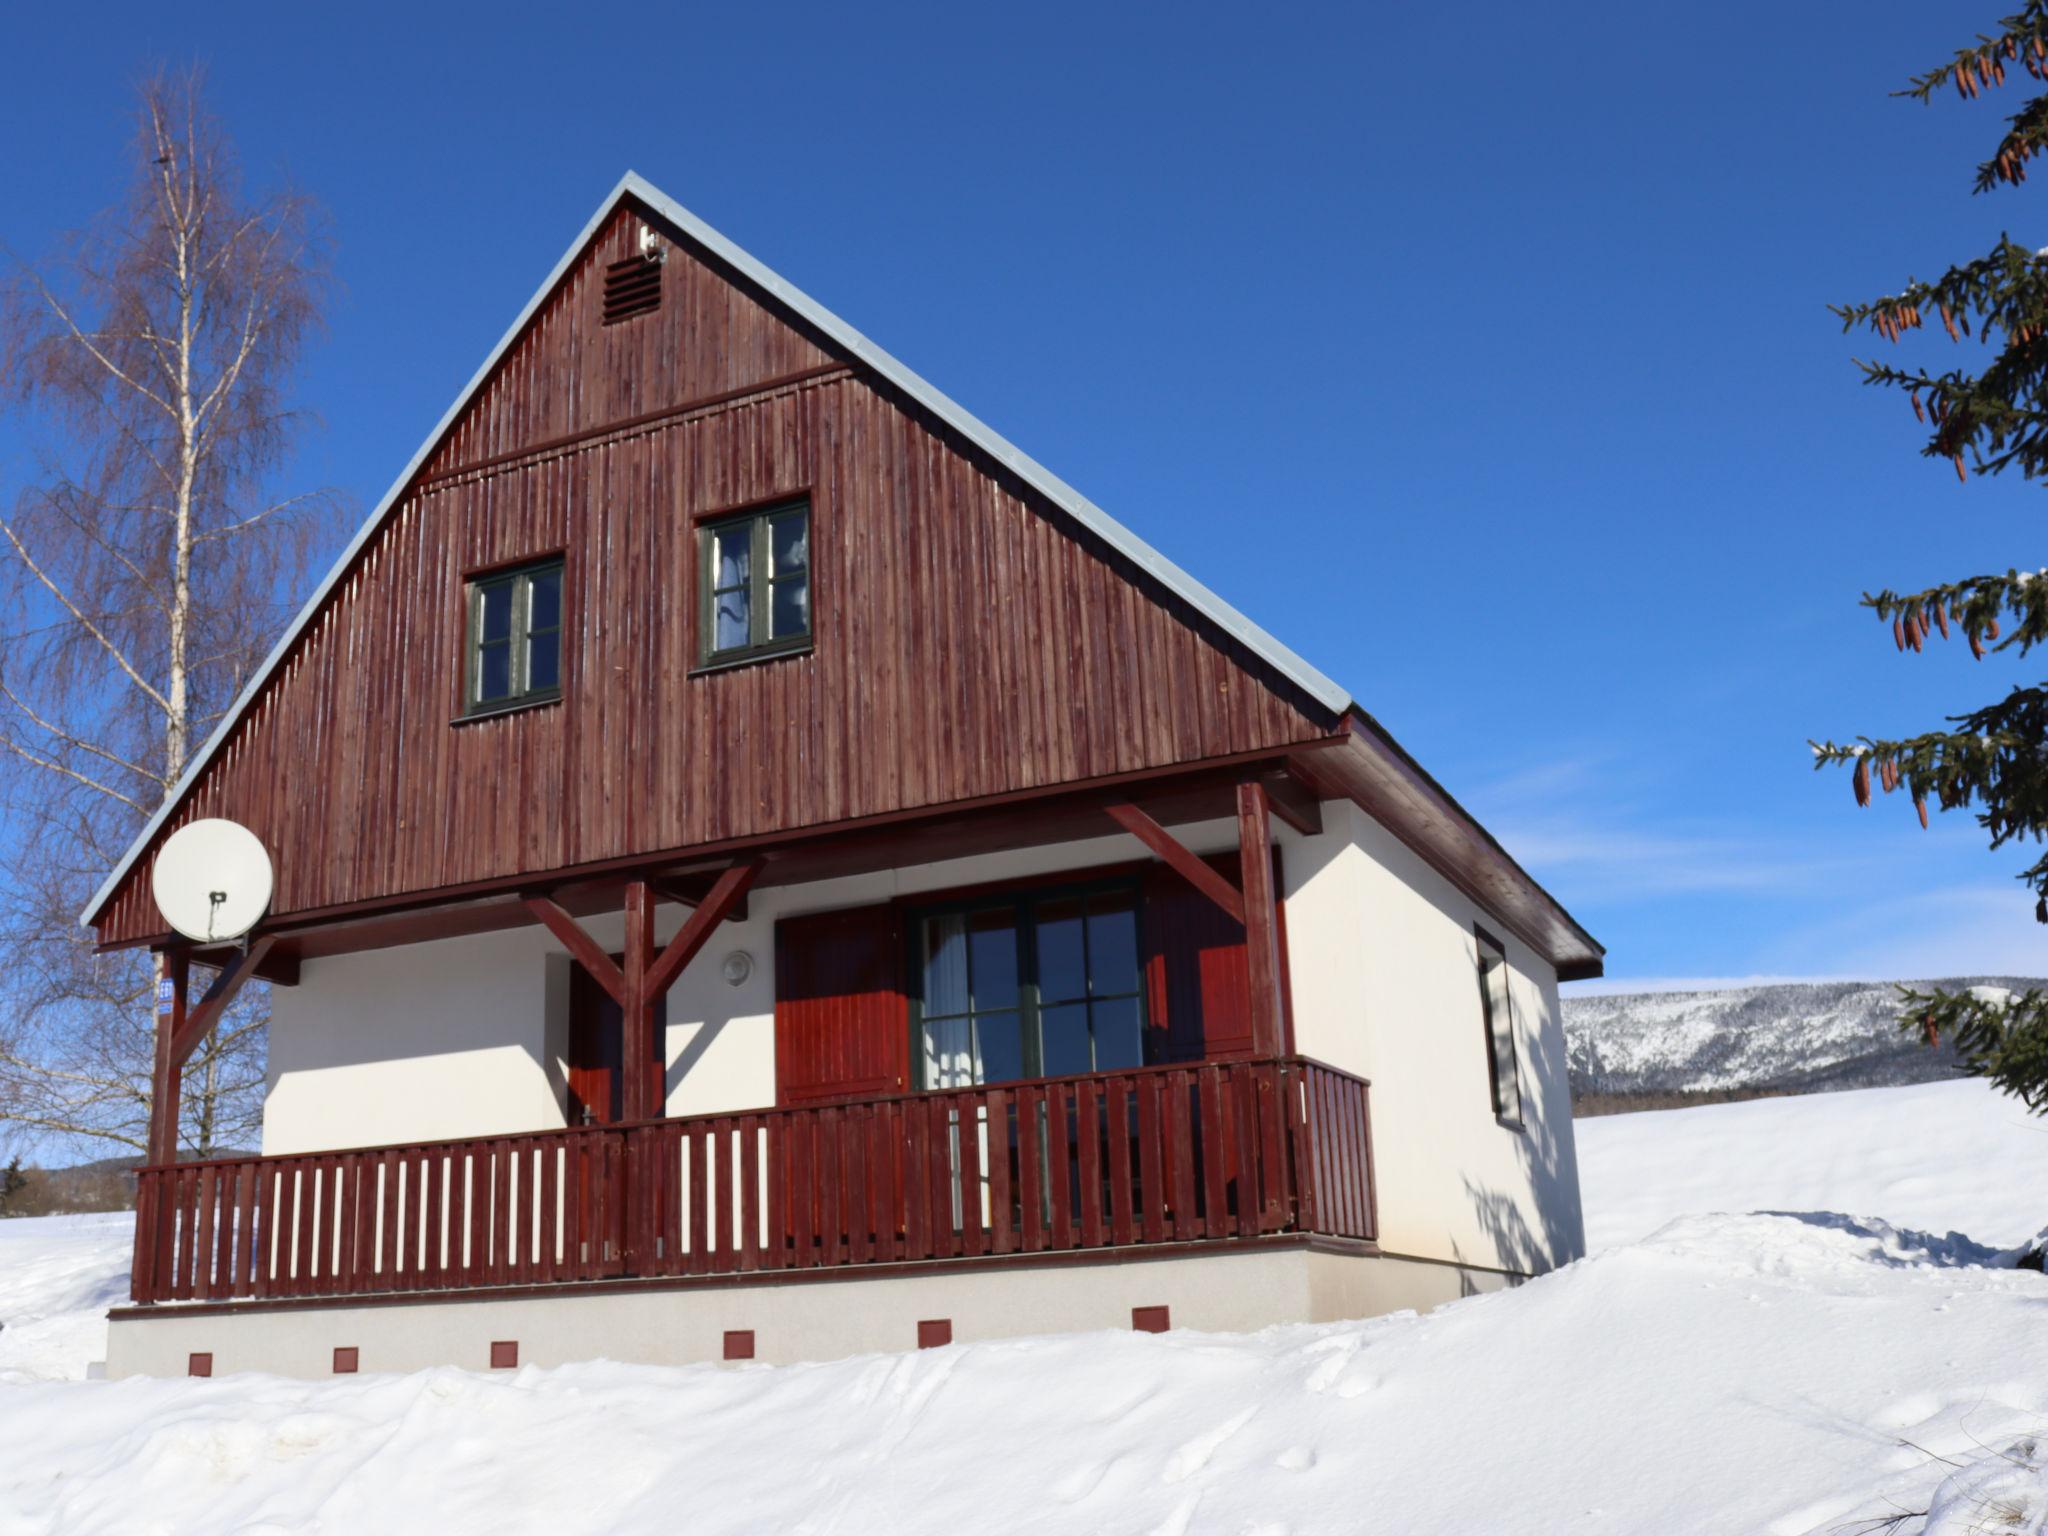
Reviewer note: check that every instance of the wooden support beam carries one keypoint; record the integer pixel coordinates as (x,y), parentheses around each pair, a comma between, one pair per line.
(173,980)
(727,892)
(1190,867)
(232,977)
(690,896)
(1294,803)
(637,1059)
(587,951)
(1262,918)
(280,966)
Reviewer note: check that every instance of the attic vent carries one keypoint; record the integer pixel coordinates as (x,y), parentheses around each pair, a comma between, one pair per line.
(631,287)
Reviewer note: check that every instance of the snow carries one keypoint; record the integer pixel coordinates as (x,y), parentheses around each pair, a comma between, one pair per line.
(58,1276)
(1935,1156)
(1780,1374)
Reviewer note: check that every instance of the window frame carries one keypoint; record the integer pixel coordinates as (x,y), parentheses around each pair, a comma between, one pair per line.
(761,580)
(1488,947)
(519,578)
(1025,899)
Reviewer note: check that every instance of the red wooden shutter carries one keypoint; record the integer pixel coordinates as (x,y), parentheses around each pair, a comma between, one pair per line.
(1197,986)
(842,1023)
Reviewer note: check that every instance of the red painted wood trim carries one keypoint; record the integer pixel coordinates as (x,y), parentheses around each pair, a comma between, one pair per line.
(1176,853)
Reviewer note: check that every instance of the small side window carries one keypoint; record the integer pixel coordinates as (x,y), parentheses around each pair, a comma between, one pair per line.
(754,584)
(514,653)
(1496,1008)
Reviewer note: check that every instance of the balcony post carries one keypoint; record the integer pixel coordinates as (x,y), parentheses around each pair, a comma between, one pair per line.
(173,984)
(637,1058)
(152,1209)
(1261,918)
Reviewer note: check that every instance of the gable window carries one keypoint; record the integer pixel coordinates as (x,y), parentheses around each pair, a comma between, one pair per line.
(1497,1010)
(1041,984)
(514,652)
(754,584)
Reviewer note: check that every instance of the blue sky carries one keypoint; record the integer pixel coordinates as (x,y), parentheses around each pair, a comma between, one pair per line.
(1484,360)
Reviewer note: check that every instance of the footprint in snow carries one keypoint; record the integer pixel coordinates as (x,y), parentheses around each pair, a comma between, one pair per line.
(1183,1516)
(1083,1480)
(1198,1452)
(1340,1353)
(1296,1458)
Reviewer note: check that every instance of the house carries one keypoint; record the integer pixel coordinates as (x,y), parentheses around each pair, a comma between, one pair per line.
(766,870)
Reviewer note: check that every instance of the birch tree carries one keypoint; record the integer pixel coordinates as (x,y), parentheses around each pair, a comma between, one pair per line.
(148,558)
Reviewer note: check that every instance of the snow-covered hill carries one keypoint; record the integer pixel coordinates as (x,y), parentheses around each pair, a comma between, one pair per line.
(1938,1156)
(1800,1036)
(1791,1374)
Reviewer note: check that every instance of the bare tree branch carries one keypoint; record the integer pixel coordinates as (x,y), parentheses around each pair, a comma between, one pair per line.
(149,564)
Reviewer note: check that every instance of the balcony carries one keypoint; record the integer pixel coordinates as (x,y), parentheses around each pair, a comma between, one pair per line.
(1107,1165)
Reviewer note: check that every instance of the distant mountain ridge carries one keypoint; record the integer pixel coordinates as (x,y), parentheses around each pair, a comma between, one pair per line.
(1789,1037)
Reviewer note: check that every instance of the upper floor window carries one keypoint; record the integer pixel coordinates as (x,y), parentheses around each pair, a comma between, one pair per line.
(515,638)
(755,583)
(1497,1008)
(1044,984)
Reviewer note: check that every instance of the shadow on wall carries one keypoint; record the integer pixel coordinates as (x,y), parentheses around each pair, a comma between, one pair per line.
(700,1041)
(1556,1233)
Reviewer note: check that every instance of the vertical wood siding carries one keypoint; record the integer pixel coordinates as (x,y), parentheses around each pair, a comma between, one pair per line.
(967,642)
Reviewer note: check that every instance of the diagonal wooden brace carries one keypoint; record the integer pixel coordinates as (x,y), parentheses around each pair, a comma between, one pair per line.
(726,893)
(199,1023)
(1188,865)
(588,952)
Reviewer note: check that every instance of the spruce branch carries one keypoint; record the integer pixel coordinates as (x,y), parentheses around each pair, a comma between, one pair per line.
(1969,607)
(1996,1035)
(2021,38)
(1990,415)
(1995,762)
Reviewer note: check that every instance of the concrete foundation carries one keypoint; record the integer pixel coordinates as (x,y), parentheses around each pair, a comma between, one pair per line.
(816,1317)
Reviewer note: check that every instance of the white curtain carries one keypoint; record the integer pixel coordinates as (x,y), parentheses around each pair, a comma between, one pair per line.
(950,1060)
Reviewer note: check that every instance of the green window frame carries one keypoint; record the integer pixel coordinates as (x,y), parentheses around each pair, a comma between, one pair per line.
(512,656)
(754,584)
(1071,994)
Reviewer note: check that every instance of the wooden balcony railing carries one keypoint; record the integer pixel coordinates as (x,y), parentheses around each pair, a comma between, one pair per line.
(1212,1153)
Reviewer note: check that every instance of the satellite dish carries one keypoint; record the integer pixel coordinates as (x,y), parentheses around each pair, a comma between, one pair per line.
(212,880)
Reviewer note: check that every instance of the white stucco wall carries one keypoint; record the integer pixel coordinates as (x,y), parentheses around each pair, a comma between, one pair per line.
(1385,974)
(419,1043)
(465,1037)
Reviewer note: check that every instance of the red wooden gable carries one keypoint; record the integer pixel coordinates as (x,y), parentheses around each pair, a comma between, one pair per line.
(970,640)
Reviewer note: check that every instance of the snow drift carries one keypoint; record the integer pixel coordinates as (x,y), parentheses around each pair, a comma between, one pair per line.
(1792,1373)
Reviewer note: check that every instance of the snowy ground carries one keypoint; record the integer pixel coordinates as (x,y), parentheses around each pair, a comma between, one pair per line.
(1937,1156)
(1773,1374)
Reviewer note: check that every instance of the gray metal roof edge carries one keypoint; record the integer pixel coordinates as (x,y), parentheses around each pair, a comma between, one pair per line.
(1309,679)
